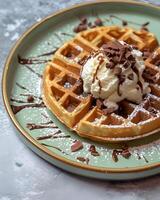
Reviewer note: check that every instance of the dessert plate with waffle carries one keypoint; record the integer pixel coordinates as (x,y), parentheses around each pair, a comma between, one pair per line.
(82,87)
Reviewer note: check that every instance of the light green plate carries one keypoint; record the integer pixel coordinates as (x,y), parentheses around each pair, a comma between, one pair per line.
(20,80)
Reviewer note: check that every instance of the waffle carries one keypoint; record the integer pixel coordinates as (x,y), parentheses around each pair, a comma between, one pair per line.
(63,91)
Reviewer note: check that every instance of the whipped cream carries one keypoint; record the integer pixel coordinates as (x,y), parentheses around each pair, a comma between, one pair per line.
(104,83)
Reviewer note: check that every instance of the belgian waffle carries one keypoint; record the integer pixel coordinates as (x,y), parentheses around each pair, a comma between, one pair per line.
(63,91)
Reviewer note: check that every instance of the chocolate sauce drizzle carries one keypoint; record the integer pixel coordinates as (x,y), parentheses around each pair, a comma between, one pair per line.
(47,53)
(33,71)
(49,122)
(30,61)
(118,53)
(18,100)
(35,60)
(26,104)
(58,37)
(145,159)
(29,95)
(26,95)
(22,87)
(84,24)
(17,109)
(33,126)
(68,34)
(100,58)
(140,157)
(52,136)
(54,147)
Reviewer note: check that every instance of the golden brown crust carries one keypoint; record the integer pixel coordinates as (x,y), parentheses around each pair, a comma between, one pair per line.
(62,92)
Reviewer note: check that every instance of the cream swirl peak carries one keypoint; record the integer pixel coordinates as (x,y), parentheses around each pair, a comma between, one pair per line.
(114,73)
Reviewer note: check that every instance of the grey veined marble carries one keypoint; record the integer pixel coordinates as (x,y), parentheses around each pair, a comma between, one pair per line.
(25,176)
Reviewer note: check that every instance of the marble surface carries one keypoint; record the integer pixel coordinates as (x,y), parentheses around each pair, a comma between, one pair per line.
(25,176)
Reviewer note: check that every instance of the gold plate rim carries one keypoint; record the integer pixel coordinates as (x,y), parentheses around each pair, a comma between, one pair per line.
(32,140)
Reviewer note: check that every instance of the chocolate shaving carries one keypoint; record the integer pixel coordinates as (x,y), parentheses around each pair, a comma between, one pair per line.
(93,26)
(82,159)
(98,22)
(117,71)
(83,60)
(114,155)
(93,151)
(126,154)
(31,61)
(76,146)
(83,20)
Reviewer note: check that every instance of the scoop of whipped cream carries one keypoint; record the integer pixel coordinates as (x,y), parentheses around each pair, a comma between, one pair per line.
(114,73)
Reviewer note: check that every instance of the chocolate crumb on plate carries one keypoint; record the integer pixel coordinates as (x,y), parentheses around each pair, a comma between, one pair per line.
(82,159)
(114,155)
(83,25)
(98,22)
(125,153)
(76,146)
(80,27)
(30,99)
(93,150)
